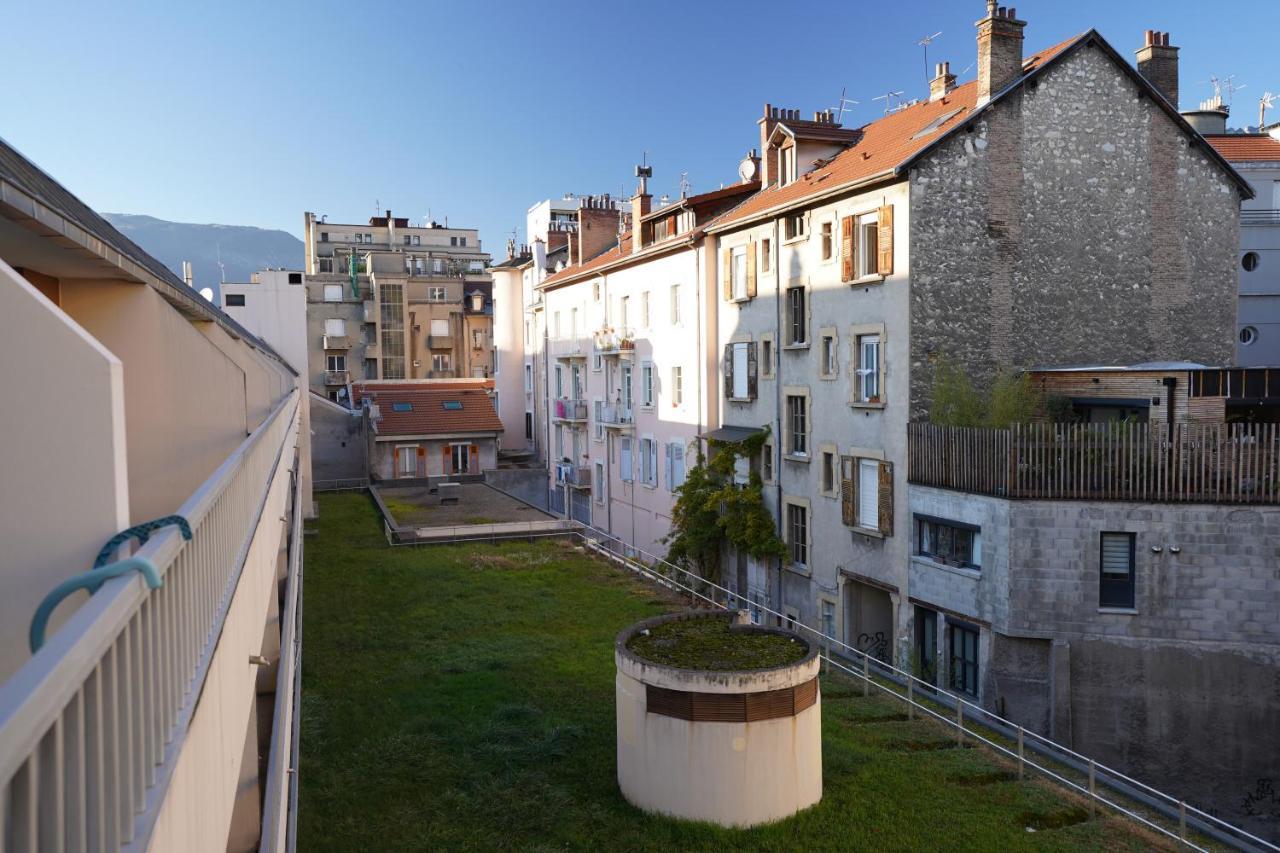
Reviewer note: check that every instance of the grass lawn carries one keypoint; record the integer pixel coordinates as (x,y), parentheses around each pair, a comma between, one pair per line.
(461,697)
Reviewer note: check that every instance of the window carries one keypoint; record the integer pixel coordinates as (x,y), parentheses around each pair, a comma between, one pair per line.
(624,459)
(1248,334)
(453,241)
(333,293)
(235,300)
(798,534)
(326,264)
(573,324)
(555,325)
(528,379)
(597,362)
(436,294)
(964,660)
(598,483)
(866,494)
(359,238)
(677,386)
(407,458)
(766,255)
(927,643)
(528,425)
(646,384)
(462,241)
(828,240)
(644,309)
(335,362)
(827,618)
(597,424)
(738,272)
(866,241)
(440,361)
(675,304)
(623,305)
(335,327)
(740,371)
(324,236)
(830,355)
(559,439)
(868,371)
(440,328)
(797,425)
(460,458)
(559,383)
(949,542)
(295,278)
(1117,578)
(406,239)
(788,165)
(625,386)
(797,333)
(417,241)
(766,356)
(1250,261)
(766,462)
(675,465)
(477,338)
(649,461)
(828,472)
(794,226)
(595,291)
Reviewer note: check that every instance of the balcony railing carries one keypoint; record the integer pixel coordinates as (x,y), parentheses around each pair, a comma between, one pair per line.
(371,350)
(617,416)
(337,342)
(569,225)
(439,342)
(1199,463)
(1260,217)
(574,476)
(613,343)
(337,377)
(93,725)
(571,410)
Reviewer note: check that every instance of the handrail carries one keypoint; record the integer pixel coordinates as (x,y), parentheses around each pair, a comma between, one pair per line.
(147,651)
(1187,815)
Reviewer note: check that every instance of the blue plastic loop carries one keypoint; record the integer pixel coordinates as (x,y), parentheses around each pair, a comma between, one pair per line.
(91,581)
(143,532)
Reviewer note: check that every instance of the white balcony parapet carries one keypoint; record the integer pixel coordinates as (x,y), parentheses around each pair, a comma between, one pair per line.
(617,416)
(570,410)
(93,725)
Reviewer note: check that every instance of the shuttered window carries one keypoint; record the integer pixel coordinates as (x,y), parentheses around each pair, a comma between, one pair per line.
(675,465)
(1117,581)
(797,320)
(624,459)
(740,371)
(798,533)
(868,493)
(797,425)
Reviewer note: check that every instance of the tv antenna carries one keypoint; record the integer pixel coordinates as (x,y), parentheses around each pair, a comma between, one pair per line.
(924,43)
(1266,102)
(843,104)
(685,186)
(1227,85)
(888,97)
(221,267)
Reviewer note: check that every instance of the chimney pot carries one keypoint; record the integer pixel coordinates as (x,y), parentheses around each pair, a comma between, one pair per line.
(999,51)
(1158,63)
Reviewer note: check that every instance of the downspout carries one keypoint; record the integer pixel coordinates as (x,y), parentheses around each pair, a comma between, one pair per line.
(776,426)
(1170,383)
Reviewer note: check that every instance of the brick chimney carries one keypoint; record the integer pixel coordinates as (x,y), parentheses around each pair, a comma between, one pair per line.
(999,50)
(640,204)
(597,226)
(768,164)
(943,81)
(1158,62)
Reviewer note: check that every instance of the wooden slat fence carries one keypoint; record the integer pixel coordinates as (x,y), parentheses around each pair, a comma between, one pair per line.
(1184,462)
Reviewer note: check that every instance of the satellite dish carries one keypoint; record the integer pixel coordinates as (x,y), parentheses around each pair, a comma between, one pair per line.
(207,293)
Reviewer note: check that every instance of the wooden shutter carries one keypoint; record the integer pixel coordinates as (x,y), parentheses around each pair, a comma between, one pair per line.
(848,492)
(752,371)
(846,249)
(475,460)
(728,274)
(728,371)
(446,465)
(884,240)
(751,270)
(886,499)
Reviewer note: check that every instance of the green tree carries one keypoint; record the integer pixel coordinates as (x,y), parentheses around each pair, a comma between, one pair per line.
(1013,400)
(713,511)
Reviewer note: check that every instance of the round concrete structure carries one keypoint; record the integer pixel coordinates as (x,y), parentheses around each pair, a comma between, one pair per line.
(737,748)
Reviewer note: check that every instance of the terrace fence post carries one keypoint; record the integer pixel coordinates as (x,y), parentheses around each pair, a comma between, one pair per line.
(911,704)
(1022,764)
(1093,788)
(866,675)
(959,721)
(1182,819)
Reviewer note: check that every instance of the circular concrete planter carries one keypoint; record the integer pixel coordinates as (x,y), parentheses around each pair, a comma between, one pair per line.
(736,748)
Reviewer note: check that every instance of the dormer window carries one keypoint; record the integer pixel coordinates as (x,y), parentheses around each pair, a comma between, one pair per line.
(788,170)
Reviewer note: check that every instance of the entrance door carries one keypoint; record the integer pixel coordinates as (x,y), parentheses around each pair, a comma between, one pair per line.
(927,645)
(460,458)
(868,614)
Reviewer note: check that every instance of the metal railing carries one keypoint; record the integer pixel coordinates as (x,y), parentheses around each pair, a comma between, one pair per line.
(351,484)
(1260,217)
(571,410)
(92,725)
(617,416)
(1099,784)
(577,476)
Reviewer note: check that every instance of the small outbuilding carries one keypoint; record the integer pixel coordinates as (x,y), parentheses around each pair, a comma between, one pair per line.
(429,429)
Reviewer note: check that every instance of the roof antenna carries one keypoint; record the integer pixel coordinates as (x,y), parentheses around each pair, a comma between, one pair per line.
(924,43)
(1266,102)
(685,186)
(220,265)
(888,97)
(843,104)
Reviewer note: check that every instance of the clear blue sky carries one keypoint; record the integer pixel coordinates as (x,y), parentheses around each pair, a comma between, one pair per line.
(251,113)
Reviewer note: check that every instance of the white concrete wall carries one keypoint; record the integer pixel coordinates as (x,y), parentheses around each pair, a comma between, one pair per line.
(63,458)
(508,340)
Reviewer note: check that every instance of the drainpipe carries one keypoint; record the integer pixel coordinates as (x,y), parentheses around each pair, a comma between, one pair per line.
(776,426)
(1170,383)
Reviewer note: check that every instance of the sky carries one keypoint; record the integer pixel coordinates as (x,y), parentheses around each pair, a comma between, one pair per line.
(251,113)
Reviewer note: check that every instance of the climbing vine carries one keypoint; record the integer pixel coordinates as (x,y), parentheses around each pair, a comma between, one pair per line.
(713,511)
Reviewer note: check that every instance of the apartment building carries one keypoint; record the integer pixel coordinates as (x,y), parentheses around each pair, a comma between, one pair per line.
(630,387)
(152,530)
(390,300)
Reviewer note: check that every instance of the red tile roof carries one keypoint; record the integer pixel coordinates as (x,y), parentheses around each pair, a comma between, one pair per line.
(1246,147)
(427,414)
(885,144)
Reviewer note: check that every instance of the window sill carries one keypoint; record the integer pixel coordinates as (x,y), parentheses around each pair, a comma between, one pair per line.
(740,299)
(797,457)
(799,569)
(649,486)
(828,377)
(644,408)
(741,399)
(859,404)
(962,571)
(830,495)
(1119,611)
(866,280)
(805,345)
(869,532)
(799,238)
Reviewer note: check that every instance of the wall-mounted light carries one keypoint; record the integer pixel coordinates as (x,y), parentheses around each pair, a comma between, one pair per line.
(1156,549)
(1174,549)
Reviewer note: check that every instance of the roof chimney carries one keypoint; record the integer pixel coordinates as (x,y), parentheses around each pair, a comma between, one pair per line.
(999,50)
(640,203)
(1158,62)
(1211,118)
(772,115)
(943,81)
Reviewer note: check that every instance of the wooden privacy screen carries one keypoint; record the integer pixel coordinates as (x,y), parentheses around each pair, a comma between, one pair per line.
(731,707)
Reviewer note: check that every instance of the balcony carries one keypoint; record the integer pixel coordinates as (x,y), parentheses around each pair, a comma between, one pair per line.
(337,377)
(571,350)
(1260,217)
(573,476)
(370,311)
(571,410)
(1156,462)
(372,350)
(439,342)
(612,343)
(617,417)
(337,342)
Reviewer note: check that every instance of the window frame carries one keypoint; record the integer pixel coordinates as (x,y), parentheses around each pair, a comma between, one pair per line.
(856,385)
(677,386)
(829,353)
(958,677)
(675,304)
(738,273)
(794,324)
(934,554)
(795,227)
(790,445)
(332,293)
(766,254)
(1128,587)
(798,518)
(829,463)
(768,465)
(648,385)
(827,241)
(866,258)
(767,355)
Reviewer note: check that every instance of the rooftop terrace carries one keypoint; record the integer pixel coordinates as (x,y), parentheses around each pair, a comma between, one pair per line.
(462,697)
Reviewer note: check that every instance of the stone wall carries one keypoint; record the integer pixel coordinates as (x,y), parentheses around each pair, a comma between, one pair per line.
(1074,224)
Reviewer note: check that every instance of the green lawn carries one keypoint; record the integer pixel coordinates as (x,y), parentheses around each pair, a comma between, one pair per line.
(462,698)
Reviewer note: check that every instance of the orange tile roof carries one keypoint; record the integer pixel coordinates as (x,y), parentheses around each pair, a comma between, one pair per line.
(885,145)
(1246,147)
(427,414)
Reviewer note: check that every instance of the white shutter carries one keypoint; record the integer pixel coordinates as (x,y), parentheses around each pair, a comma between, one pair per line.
(668,462)
(677,465)
(740,377)
(653,463)
(624,457)
(440,327)
(868,493)
(1115,554)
